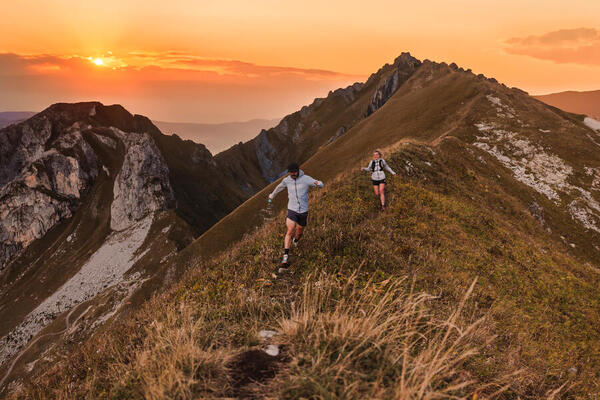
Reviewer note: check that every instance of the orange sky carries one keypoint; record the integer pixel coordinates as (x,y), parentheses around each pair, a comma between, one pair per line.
(214,61)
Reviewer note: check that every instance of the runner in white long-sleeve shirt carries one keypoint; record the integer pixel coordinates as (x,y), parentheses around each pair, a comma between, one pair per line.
(376,166)
(297,184)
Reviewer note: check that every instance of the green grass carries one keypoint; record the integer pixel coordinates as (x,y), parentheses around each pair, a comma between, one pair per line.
(533,309)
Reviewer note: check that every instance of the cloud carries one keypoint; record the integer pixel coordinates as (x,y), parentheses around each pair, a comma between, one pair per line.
(167,86)
(565,46)
(181,60)
(165,61)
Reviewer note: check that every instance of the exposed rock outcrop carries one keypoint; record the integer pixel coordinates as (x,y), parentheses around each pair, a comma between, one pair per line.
(338,133)
(47,166)
(142,185)
(43,181)
(405,65)
(267,154)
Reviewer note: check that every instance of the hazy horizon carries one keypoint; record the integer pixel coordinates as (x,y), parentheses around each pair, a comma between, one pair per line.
(172,122)
(233,61)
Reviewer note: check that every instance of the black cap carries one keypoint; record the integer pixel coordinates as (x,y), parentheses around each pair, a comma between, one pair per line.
(293,167)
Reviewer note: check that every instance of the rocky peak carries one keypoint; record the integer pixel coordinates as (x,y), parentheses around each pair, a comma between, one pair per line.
(405,60)
(50,161)
(403,68)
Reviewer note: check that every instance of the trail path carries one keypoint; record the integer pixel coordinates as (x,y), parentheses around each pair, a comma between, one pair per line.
(24,350)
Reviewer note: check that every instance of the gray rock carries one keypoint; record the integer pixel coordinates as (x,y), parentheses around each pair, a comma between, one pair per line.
(405,66)
(42,181)
(142,185)
(338,133)
(267,334)
(272,350)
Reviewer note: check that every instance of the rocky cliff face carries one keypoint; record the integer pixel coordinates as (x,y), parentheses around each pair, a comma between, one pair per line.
(43,178)
(301,134)
(142,185)
(404,66)
(47,166)
(93,200)
(51,161)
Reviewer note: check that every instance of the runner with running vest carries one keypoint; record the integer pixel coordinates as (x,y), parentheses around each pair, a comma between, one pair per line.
(376,166)
(297,184)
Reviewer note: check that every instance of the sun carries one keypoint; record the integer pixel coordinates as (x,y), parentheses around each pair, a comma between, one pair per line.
(98,61)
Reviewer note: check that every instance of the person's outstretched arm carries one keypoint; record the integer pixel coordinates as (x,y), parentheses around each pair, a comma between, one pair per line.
(278,189)
(313,182)
(368,168)
(387,168)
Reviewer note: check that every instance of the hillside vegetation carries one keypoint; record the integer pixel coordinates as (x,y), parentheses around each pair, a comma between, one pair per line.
(441,295)
(479,280)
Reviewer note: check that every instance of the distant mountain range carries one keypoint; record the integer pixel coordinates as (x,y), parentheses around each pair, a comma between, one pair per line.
(216,137)
(587,103)
(11,117)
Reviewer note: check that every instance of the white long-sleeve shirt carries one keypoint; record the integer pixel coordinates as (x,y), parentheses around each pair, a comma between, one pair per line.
(378,173)
(297,191)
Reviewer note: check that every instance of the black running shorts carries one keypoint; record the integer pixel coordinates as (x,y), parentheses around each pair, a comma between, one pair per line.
(376,183)
(299,218)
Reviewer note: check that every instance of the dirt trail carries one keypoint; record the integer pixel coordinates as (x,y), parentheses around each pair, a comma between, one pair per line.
(24,350)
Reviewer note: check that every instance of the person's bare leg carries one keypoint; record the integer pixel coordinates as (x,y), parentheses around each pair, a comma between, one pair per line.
(376,190)
(290,225)
(382,194)
(299,231)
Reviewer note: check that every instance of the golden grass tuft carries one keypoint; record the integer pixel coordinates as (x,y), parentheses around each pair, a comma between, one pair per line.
(175,363)
(375,340)
(352,325)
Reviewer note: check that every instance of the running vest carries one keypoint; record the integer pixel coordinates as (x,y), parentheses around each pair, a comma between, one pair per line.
(380,162)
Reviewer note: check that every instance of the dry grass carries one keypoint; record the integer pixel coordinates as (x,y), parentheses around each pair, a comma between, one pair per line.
(175,363)
(353,314)
(377,340)
(344,338)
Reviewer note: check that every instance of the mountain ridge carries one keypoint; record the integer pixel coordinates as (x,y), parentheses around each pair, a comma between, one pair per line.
(470,141)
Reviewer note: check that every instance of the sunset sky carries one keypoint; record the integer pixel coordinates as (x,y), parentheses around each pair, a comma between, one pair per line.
(217,61)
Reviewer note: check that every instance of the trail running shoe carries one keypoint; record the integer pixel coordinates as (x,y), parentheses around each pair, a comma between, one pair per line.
(382,208)
(285,258)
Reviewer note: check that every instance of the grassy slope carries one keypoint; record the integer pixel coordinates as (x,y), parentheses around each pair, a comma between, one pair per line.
(306,131)
(539,302)
(409,114)
(470,220)
(433,104)
(167,235)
